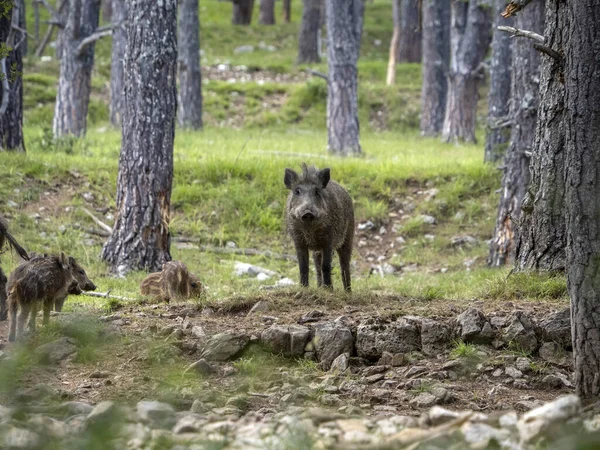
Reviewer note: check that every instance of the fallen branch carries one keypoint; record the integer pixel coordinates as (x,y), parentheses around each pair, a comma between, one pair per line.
(516,32)
(513,7)
(258,394)
(107,295)
(98,222)
(91,39)
(317,74)
(299,155)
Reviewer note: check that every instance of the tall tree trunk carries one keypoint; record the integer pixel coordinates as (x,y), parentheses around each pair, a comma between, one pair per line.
(107,10)
(582,88)
(344,30)
(469,39)
(394,44)
(287,11)
(23,37)
(119,40)
(308,41)
(541,240)
(436,61)
(498,133)
(140,237)
(11,83)
(267,12)
(409,49)
(523,113)
(190,76)
(76,64)
(242,12)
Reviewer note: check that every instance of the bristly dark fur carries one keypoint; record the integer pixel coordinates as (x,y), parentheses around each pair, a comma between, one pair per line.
(6,236)
(309,174)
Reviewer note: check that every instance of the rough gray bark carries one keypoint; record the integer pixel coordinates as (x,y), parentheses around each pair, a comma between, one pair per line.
(344,31)
(140,237)
(498,131)
(394,44)
(287,11)
(119,40)
(523,114)
(76,64)
(308,41)
(436,61)
(242,12)
(409,48)
(107,10)
(11,85)
(267,12)
(470,36)
(582,126)
(190,77)
(541,240)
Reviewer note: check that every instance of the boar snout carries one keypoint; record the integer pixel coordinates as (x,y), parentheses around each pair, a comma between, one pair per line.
(307,216)
(74,288)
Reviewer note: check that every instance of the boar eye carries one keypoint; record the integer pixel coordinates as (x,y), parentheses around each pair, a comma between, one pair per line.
(297,191)
(193,285)
(82,272)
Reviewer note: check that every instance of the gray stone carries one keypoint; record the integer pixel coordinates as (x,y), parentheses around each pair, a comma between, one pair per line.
(435,336)
(424,400)
(223,346)
(199,407)
(341,363)
(521,332)
(470,326)
(523,364)
(481,435)
(512,372)
(56,351)
(547,419)
(156,414)
(463,241)
(330,399)
(190,423)
(201,366)
(47,426)
(243,49)
(288,340)
(373,337)
(392,359)
(554,354)
(438,415)
(198,331)
(552,381)
(104,412)
(557,328)
(16,438)
(259,307)
(331,339)
(427,219)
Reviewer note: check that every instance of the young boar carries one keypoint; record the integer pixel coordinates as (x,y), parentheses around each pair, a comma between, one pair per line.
(40,280)
(319,217)
(5,236)
(173,282)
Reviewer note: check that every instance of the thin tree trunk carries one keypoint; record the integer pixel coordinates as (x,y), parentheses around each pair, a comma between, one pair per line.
(267,12)
(308,41)
(394,44)
(541,240)
(242,12)
(119,40)
(190,76)
(409,49)
(140,237)
(11,85)
(287,11)
(582,124)
(469,40)
(76,64)
(498,133)
(344,30)
(107,10)
(523,113)
(436,61)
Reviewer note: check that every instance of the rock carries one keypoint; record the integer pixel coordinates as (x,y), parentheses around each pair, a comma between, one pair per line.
(481,435)
(259,307)
(512,372)
(392,359)
(435,336)
(523,364)
(521,332)
(426,219)
(374,378)
(156,414)
(330,399)
(368,225)
(557,328)
(424,400)
(471,326)
(288,340)
(245,269)
(47,426)
(331,339)
(243,49)
(341,363)
(438,415)
(104,413)
(198,407)
(547,419)
(508,420)
(190,423)
(285,282)
(99,374)
(68,409)
(554,354)
(16,438)
(463,241)
(223,346)
(552,381)
(56,351)
(441,394)
(201,366)
(198,331)
(373,337)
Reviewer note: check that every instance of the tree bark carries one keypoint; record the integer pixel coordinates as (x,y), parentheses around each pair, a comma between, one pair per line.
(394,44)
(582,125)
(140,237)
(287,11)
(541,240)
(523,113)
(267,12)
(119,40)
(498,132)
(242,12)
(74,82)
(107,10)
(190,76)
(308,41)
(436,61)
(11,85)
(344,30)
(469,39)
(409,49)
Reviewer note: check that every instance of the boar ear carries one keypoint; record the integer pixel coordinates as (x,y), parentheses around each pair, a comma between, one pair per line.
(64,262)
(290,178)
(324,177)
(71,260)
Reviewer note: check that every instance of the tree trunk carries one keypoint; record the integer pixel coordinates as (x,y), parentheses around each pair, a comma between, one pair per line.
(190,76)
(541,240)
(469,40)
(498,133)
(523,113)
(140,237)
(308,41)
(582,124)
(242,12)
(436,61)
(107,10)
(119,40)
(11,85)
(394,44)
(267,12)
(409,49)
(344,30)
(287,11)
(76,64)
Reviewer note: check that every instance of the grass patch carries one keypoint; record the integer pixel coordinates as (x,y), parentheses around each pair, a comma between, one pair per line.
(539,286)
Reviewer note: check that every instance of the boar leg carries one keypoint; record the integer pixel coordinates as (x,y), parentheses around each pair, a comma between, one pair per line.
(12,312)
(47,309)
(326,267)
(345,254)
(302,254)
(58,304)
(23,315)
(318,259)
(32,316)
